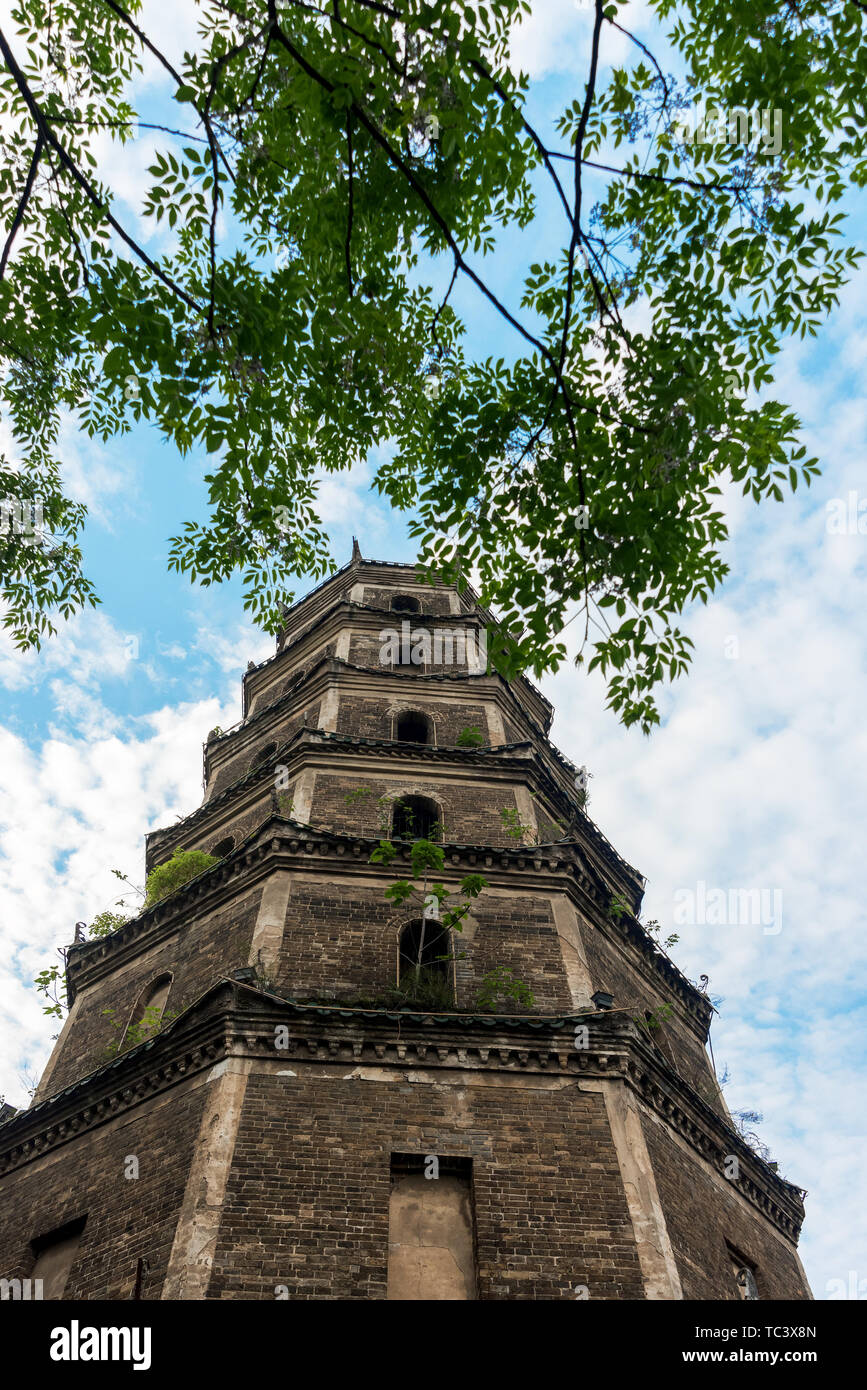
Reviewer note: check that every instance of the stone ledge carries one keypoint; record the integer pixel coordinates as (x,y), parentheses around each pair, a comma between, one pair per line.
(233,1019)
(279,835)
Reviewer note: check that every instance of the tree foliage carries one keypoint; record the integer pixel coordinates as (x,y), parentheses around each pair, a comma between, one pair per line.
(319,154)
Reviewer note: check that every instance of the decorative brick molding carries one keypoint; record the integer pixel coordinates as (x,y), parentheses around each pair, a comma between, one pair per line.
(283,843)
(234,1020)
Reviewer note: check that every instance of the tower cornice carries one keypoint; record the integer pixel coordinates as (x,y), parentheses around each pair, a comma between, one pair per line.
(301,749)
(238,1020)
(487,686)
(286,844)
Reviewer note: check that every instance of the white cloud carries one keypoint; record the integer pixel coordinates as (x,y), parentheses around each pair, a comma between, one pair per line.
(70,812)
(173,28)
(555,37)
(87,649)
(226,649)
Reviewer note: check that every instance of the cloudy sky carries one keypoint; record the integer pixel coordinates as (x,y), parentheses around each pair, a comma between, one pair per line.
(755,781)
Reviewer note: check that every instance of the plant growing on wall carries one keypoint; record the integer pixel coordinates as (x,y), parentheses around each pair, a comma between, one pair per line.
(426,860)
(152,1021)
(184,865)
(516,829)
(655,931)
(433,900)
(654,1018)
(501,984)
(105,923)
(744,1119)
(619,907)
(52,982)
(384,806)
(470,737)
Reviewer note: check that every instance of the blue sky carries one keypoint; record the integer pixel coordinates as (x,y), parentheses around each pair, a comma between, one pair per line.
(755,779)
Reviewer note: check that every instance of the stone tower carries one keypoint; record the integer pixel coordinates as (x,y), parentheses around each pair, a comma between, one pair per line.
(299,1125)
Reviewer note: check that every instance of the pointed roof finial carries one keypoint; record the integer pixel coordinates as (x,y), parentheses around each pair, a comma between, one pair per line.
(356,550)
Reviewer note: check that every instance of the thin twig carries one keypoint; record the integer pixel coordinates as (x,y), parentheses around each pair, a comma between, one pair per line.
(82,180)
(433,327)
(350,207)
(22,203)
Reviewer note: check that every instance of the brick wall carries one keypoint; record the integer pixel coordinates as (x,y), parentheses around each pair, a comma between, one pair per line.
(307,1200)
(518,933)
(367,649)
(207,947)
(372,718)
(127,1218)
(430,600)
(338,941)
(240,762)
(341,941)
(550,830)
(702,1215)
(470,814)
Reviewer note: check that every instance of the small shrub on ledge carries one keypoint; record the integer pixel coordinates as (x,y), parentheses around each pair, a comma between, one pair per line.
(470,737)
(165,879)
(501,986)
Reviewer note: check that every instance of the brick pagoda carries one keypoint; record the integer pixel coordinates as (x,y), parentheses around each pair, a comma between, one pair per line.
(297,1127)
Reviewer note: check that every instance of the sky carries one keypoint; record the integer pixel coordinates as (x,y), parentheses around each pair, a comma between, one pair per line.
(754,781)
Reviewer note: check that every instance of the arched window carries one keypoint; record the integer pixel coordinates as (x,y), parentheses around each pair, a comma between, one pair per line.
(147,1014)
(424,954)
(416,818)
(263,755)
(223,847)
(405,603)
(413,727)
(745,1274)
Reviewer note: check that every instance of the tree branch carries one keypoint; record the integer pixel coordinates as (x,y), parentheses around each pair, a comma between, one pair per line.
(336,18)
(22,203)
(433,327)
(72,123)
(645,50)
(393,156)
(482,71)
(655,178)
(83,182)
(350,207)
(69,227)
